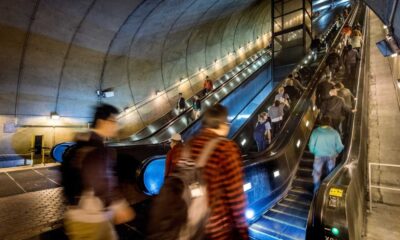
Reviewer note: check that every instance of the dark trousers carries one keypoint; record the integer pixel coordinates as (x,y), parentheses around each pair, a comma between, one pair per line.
(275,127)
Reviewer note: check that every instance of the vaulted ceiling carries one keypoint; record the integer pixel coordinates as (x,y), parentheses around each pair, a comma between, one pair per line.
(55,54)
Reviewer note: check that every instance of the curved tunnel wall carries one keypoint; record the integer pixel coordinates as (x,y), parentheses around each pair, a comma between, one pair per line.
(56,54)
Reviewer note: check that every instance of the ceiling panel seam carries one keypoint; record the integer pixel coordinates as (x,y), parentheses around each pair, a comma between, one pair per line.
(190,36)
(68,52)
(130,48)
(164,43)
(22,60)
(101,80)
(208,36)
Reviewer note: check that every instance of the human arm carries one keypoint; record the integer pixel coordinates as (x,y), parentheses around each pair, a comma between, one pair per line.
(268,131)
(338,143)
(312,143)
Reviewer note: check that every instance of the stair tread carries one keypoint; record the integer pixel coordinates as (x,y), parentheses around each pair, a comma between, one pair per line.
(295,202)
(289,204)
(278,230)
(290,210)
(304,179)
(290,220)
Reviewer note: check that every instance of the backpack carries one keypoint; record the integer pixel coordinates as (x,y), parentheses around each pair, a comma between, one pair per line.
(71,166)
(181,210)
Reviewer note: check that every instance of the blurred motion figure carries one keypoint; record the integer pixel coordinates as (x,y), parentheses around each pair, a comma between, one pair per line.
(90,186)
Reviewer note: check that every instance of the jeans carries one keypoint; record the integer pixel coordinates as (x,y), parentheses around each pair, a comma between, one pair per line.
(261,144)
(319,163)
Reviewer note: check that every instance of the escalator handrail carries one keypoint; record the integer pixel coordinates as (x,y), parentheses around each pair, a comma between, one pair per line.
(203,99)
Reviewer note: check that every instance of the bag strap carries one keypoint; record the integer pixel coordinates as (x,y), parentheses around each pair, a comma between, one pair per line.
(202,159)
(206,152)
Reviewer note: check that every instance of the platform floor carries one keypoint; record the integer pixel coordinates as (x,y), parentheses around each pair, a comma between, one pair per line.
(28,179)
(384,136)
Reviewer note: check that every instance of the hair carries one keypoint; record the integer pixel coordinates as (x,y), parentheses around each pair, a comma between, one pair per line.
(103,112)
(214,116)
(339,85)
(290,75)
(349,47)
(262,114)
(325,121)
(277,103)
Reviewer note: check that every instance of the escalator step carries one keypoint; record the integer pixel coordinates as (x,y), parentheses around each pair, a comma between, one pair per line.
(306,163)
(304,172)
(301,195)
(277,229)
(291,220)
(303,183)
(299,198)
(294,203)
(302,213)
(257,234)
(308,154)
(301,191)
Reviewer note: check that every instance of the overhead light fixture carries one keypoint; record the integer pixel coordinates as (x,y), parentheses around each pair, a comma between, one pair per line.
(105,93)
(54,116)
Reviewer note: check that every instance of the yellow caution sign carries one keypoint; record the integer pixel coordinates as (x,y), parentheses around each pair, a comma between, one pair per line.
(336,192)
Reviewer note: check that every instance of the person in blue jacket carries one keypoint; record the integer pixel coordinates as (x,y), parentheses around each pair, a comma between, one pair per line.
(262,132)
(325,144)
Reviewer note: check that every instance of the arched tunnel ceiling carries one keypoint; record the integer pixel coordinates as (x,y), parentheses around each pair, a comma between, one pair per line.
(55,54)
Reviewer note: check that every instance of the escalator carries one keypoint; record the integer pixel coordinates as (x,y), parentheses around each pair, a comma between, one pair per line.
(287,219)
(295,214)
(230,83)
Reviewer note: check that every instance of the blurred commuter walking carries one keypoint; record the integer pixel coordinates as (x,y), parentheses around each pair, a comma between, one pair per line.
(325,144)
(223,174)
(203,197)
(174,153)
(90,186)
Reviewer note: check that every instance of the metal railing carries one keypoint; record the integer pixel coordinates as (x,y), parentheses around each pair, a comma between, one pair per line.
(370,186)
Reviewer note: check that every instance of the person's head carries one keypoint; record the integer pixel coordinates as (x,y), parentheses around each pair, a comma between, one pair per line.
(277,103)
(180,94)
(333,92)
(196,97)
(207,77)
(215,118)
(349,47)
(339,85)
(290,76)
(325,121)
(262,117)
(175,139)
(281,90)
(289,82)
(105,120)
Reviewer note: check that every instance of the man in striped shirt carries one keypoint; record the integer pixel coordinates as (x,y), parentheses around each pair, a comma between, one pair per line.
(224,176)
